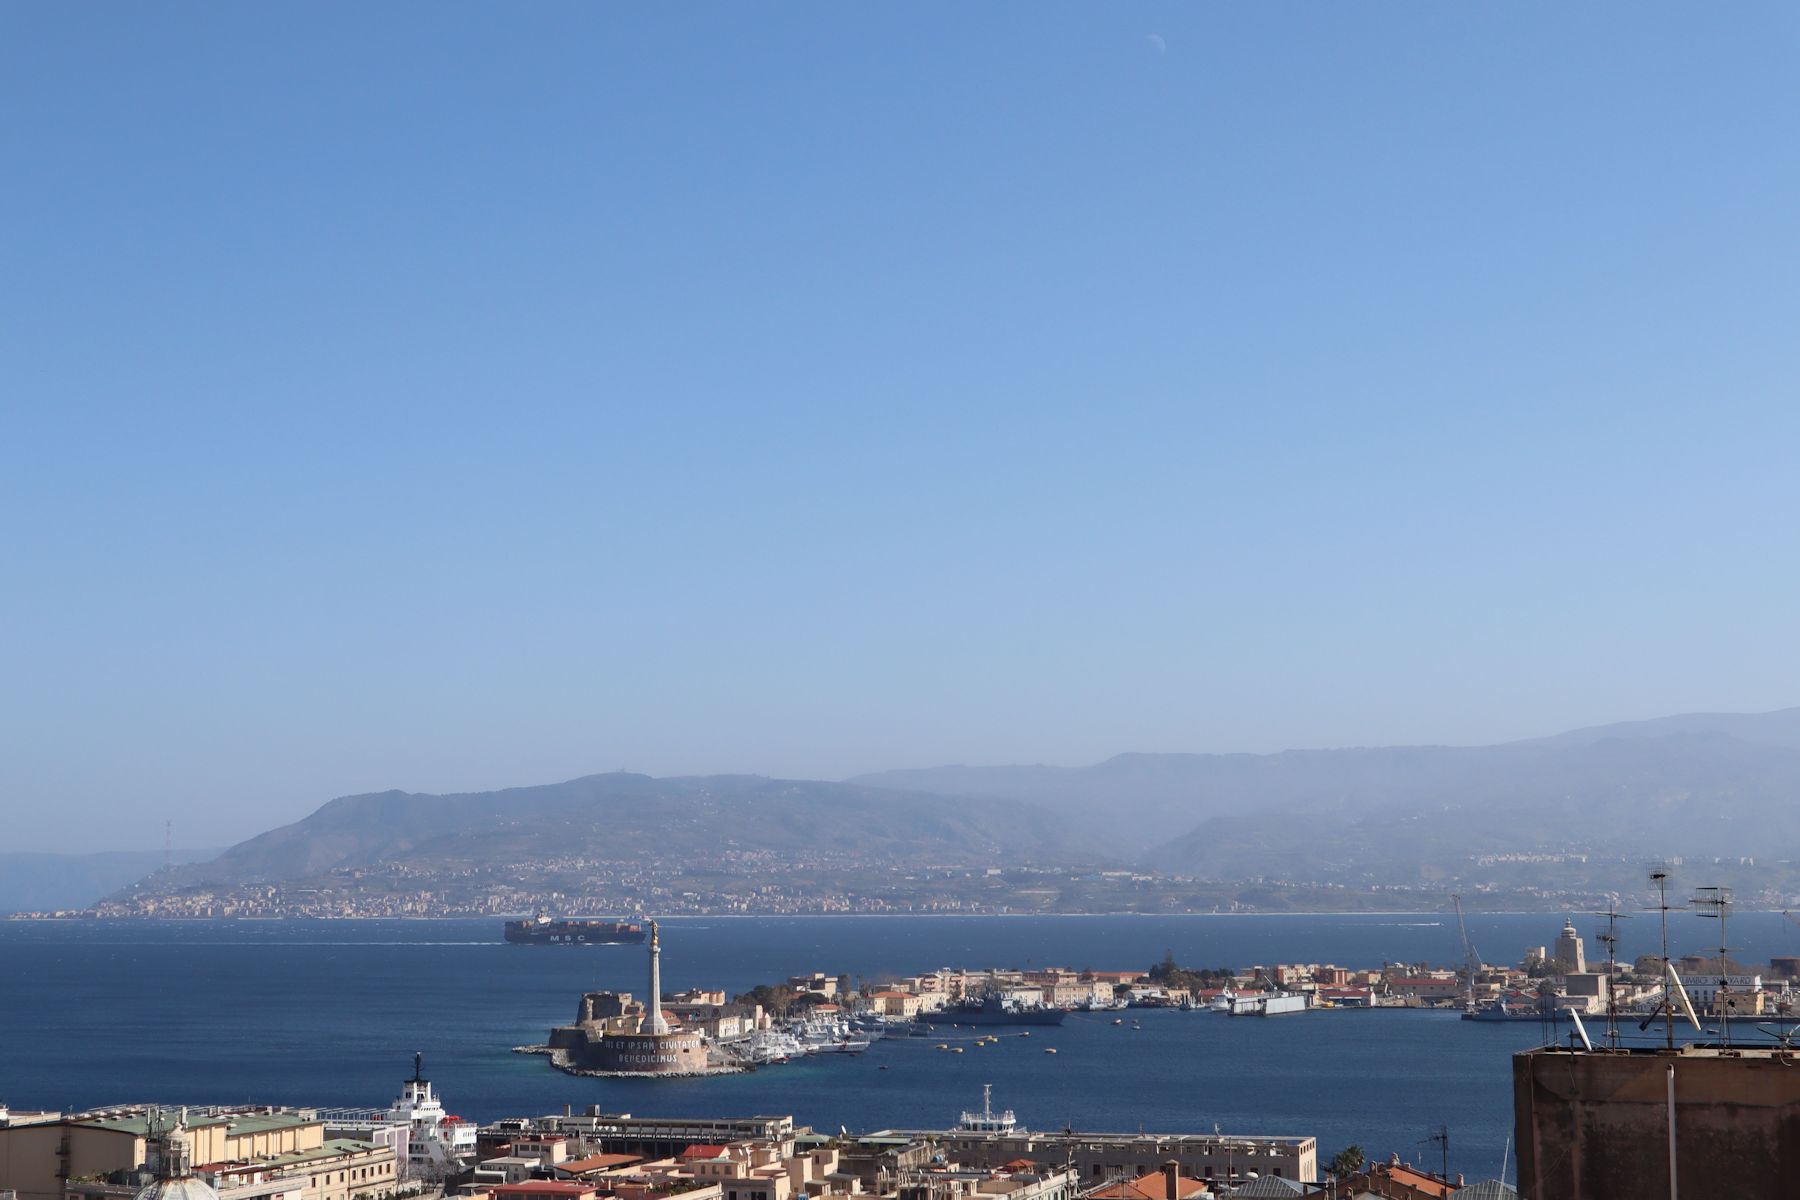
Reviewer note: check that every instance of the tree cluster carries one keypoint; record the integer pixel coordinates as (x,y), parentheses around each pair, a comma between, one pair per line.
(1170,974)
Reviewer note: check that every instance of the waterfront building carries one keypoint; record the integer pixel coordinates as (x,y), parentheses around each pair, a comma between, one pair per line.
(1571,957)
(1437,986)
(893,1003)
(1605,1123)
(1741,995)
(722,1021)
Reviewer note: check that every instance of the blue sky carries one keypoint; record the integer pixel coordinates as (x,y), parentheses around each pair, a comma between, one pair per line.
(449,396)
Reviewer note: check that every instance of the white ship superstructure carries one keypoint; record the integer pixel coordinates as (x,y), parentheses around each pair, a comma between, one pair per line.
(438,1144)
(987,1120)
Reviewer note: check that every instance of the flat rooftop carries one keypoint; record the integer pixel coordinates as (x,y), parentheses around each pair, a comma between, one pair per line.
(139,1122)
(1075,1135)
(1756,1051)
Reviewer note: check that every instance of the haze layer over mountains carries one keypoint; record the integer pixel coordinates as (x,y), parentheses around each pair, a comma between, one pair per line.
(1589,806)
(1696,785)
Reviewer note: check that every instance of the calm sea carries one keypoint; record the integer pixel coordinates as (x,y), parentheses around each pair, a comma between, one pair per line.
(329,1013)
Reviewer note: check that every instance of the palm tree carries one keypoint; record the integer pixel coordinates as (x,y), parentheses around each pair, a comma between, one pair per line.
(1348,1161)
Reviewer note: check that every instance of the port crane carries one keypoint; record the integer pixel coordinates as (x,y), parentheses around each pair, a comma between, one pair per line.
(1471,960)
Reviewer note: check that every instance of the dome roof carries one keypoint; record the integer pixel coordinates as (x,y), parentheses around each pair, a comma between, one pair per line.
(185,1188)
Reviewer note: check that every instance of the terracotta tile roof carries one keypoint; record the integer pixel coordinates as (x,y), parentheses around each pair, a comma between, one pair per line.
(597,1162)
(1151,1186)
(703,1150)
(1399,1180)
(545,1187)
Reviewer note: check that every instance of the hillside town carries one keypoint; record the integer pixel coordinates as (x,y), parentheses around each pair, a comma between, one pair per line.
(735,881)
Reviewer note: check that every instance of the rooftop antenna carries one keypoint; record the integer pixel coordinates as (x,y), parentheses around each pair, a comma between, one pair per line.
(1610,939)
(1714,903)
(1659,876)
(1440,1137)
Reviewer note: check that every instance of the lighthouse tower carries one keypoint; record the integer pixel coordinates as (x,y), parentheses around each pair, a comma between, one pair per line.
(653,1019)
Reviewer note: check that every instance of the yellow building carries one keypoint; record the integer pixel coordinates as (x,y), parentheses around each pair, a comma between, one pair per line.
(40,1160)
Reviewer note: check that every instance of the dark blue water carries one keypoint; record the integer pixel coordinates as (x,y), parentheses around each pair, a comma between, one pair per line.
(329,1013)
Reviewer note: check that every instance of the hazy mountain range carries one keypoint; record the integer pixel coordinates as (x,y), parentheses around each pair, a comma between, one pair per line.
(628,818)
(1694,786)
(1700,784)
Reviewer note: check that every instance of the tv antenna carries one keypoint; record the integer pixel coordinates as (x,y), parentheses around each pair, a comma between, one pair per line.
(1659,878)
(1714,903)
(1610,939)
(1439,1136)
(1784,1036)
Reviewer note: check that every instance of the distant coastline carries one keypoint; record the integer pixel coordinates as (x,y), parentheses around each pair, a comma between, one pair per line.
(1442,914)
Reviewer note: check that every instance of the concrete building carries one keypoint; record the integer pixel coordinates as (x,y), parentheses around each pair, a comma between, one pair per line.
(648,1137)
(1098,1157)
(720,1022)
(896,1004)
(1438,987)
(544,1189)
(1743,993)
(1593,1125)
(265,1151)
(1585,992)
(1571,956)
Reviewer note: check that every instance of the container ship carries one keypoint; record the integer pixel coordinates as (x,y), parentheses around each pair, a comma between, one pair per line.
(542,930)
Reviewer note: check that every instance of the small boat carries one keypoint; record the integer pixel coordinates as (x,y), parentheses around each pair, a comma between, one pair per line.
(943,1045)
(1047,1050)
(1118,1020)
(958,1050)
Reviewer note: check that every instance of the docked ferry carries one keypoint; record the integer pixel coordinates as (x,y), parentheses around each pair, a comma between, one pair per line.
(542,930)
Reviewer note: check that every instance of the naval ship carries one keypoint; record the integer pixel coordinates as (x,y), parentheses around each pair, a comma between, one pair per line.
(542,930)
(995,1009)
